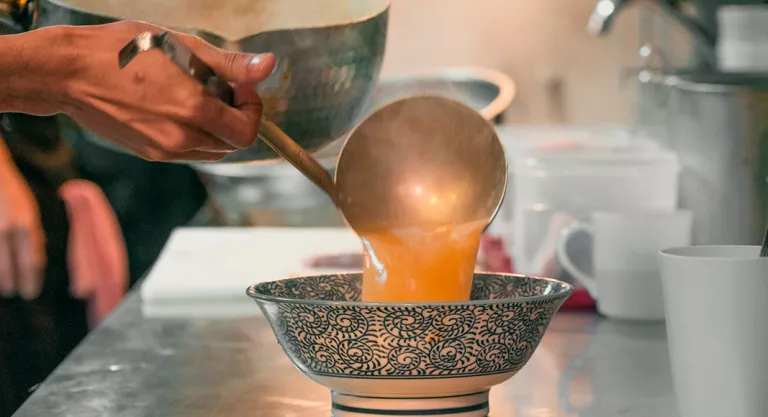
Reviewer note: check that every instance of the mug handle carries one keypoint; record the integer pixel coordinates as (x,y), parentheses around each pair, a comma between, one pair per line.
(562,256)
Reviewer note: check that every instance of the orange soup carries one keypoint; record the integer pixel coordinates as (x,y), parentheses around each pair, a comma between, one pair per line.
(420,264)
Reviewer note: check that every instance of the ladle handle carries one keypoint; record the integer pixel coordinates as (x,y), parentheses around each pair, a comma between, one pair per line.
(298,157)
(280,142)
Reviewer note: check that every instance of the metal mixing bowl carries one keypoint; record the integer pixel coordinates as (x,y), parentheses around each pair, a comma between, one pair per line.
(276,194)
(324,75)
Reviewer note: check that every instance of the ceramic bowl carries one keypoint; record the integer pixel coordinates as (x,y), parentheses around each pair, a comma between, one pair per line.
(437,359)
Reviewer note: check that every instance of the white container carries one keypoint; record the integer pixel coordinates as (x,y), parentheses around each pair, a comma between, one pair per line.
(742,44)
(520,141)
(552,189)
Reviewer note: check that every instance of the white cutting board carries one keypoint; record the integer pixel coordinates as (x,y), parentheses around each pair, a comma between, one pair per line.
(203,272)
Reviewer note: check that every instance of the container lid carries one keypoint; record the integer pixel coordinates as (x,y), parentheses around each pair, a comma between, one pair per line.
(596,161)
(580,149)
(520,141)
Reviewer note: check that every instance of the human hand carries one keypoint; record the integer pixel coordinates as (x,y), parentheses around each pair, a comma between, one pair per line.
(151,107)
(22,240)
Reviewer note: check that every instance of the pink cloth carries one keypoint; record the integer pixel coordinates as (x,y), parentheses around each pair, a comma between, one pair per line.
(97,258)
(498,259)
(495,255)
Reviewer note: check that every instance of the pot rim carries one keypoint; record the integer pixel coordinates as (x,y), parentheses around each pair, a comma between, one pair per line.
(226,41)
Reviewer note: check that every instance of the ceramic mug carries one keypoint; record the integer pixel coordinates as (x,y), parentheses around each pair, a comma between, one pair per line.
(716,300)
(625,281)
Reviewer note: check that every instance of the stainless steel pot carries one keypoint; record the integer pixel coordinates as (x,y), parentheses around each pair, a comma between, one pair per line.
(276,194)
(325,74)
(718,126)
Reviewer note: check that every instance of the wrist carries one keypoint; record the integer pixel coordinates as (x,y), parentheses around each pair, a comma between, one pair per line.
(44,63)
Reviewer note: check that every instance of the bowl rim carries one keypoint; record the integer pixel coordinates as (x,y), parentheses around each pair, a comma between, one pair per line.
(564,294)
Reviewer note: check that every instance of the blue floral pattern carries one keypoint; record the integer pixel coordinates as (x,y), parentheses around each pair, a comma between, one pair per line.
(410,341)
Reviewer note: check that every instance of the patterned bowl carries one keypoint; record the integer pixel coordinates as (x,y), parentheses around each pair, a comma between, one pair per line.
(437,359)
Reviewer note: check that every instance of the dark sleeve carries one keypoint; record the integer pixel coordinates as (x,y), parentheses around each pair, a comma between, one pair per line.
(38,150)
(35,336)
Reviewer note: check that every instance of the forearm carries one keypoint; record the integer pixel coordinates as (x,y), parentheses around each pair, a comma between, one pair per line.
(35,68)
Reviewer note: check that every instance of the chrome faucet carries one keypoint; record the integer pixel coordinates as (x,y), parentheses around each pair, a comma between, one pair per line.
(704,40)
(602,17)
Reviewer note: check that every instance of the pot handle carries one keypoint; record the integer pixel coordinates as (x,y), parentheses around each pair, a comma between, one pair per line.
(18,16)
(565,260)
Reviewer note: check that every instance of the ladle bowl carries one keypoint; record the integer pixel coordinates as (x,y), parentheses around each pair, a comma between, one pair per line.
(421,161)
(394,359)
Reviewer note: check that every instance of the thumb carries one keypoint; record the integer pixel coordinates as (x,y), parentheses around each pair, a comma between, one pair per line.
(235,67)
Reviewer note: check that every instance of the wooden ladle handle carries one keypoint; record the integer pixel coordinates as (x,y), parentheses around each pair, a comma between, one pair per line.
(298,157)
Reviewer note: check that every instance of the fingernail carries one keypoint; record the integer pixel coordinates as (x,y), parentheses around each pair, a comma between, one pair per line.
(259,60)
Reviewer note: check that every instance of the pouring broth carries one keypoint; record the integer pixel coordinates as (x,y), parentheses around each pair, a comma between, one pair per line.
(434,264)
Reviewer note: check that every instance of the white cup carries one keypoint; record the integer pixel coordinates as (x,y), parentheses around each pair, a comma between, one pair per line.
(626,281)
(716,300)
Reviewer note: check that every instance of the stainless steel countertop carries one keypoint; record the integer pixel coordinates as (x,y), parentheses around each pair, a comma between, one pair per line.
(586,366)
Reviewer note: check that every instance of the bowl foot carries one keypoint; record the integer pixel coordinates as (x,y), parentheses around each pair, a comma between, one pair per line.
(467,405)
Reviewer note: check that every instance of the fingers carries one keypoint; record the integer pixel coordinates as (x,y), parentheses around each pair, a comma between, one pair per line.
(164,140)
(248,101)
(180,138)
(237,126)
(162,155)
(236,67)
(22,260)
(29,259)
(250,105)
(22,240)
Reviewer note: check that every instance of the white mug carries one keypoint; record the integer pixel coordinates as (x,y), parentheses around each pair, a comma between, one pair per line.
(626,282)
(716,300)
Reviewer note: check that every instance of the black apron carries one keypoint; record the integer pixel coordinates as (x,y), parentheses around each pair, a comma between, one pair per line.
(150,199)
(35,336)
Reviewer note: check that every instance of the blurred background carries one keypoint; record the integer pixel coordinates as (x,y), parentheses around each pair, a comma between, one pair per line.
(563,74)
(628,126)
